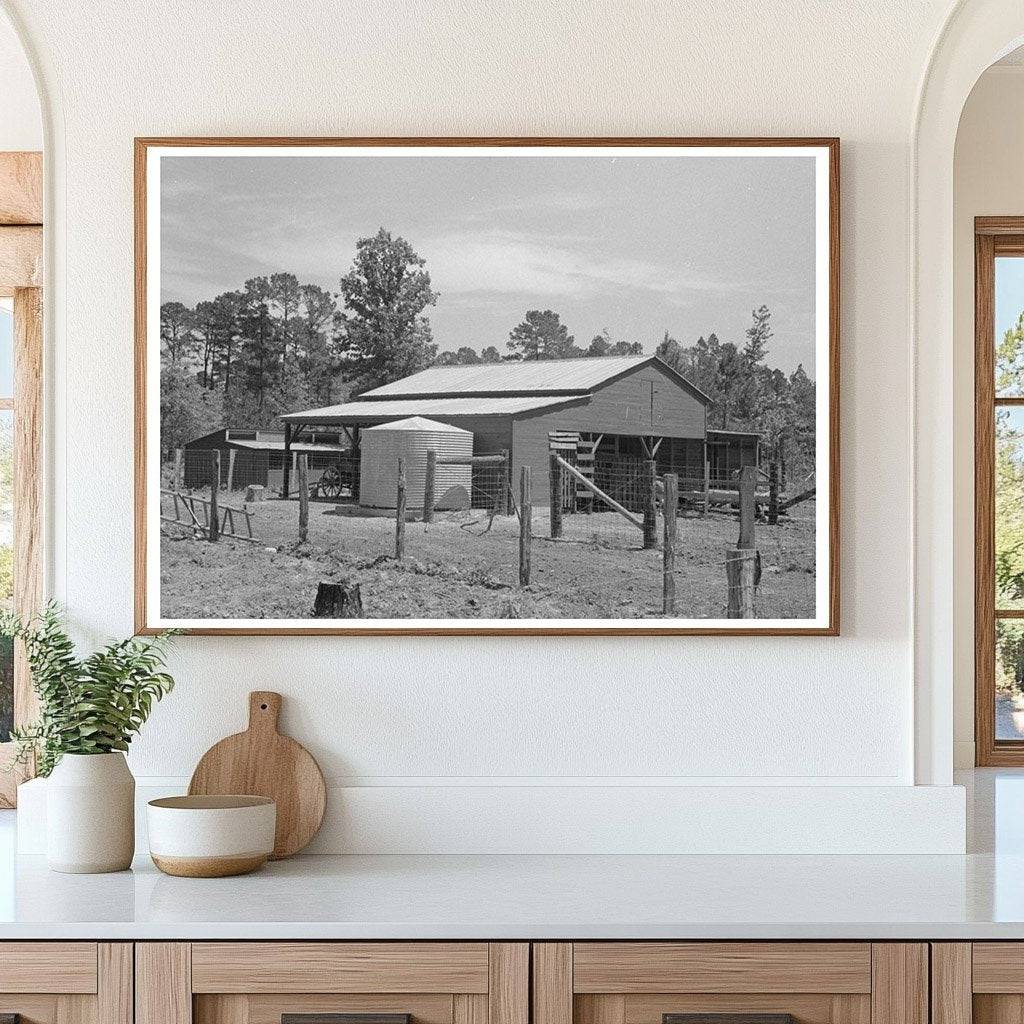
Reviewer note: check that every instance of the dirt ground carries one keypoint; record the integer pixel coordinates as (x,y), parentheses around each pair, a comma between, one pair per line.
(464,566)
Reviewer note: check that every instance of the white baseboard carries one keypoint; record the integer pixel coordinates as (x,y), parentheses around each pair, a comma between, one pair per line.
(600,819)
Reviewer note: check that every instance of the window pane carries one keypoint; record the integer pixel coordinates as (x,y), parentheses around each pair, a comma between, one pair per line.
(1009,679)
(1009,512)
(1009,325)
(6,564)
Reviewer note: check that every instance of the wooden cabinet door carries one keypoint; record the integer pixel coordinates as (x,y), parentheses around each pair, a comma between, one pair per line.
(979,982)
(737,982)
(66,982)
(302,982)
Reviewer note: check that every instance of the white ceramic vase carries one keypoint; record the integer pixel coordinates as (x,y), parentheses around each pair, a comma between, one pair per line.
(90,814)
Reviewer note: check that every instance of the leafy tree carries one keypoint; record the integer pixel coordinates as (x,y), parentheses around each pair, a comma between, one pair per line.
(176,323)
(600,345)
(386,335)
(731,366)
(490,355)
(187,409)
(319,361)
(1009,517)
(542,335)
(626,348)
(759,333)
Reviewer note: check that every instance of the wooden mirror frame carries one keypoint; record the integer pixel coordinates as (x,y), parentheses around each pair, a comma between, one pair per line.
(21,271)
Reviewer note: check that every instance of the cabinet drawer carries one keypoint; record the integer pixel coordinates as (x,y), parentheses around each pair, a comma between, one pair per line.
(340,967)
(48,967)
(630,967)
(263,982)
(747,982)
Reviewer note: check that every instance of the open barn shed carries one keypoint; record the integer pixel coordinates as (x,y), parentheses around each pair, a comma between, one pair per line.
(258,456)
(616,409)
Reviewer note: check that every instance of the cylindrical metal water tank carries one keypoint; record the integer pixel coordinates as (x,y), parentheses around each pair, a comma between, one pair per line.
(381,446)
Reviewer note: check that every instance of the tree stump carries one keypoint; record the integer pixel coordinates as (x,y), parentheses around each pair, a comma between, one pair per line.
(338,601)
(255,492)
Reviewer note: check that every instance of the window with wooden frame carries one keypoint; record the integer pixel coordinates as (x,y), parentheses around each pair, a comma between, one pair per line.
(21,365)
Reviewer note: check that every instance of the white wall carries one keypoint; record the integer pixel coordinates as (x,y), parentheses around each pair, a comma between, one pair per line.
(444,713)
(988,180)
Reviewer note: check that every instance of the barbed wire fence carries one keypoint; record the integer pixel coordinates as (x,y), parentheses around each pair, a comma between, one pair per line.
(657,539)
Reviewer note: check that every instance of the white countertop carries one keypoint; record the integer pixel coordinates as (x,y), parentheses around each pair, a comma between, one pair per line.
(532,897)
(978,896)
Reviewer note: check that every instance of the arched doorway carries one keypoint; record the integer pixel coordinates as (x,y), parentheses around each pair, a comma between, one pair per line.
(975,35)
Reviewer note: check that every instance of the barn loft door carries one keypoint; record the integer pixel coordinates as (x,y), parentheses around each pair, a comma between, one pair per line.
(21,348)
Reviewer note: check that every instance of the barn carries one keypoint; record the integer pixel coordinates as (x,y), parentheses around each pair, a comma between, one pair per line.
(618,408)
(257,456)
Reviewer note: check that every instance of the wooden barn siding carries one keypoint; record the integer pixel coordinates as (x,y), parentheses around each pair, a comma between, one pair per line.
(491,434)
(622,407)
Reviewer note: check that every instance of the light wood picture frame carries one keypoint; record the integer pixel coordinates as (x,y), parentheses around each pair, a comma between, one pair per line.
(392,472)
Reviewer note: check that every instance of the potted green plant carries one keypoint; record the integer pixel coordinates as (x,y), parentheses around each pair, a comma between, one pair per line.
(89,710)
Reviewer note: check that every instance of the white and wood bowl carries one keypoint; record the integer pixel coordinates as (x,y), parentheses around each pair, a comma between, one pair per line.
(211,836)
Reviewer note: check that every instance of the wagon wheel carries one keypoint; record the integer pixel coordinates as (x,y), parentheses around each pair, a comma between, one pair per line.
(330,482)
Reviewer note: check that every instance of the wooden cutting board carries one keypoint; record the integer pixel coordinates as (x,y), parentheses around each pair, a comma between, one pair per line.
(262,762)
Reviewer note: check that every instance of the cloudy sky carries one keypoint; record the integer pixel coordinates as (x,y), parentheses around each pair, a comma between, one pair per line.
(637,245)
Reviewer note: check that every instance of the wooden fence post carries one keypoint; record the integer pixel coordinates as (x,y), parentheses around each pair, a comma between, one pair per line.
(214,495)
(286,462)
(525,525)
(400,512)
(231,469)
(773,492)
(178,457)
(303,498)
(669,545)
(741,564)
(649,495)
(707,486)
(505,505)
(555,479)
(428,487)
(748,503)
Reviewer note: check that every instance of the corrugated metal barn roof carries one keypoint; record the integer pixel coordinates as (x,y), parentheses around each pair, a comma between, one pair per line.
(278,446)
(540,376)
(365,412)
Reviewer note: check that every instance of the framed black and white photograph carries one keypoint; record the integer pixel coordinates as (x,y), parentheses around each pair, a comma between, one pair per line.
(451,386)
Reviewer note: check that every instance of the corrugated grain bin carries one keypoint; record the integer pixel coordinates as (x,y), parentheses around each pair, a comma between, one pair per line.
(412,438)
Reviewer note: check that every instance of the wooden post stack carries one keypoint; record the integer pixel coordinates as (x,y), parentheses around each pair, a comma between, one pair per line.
(303,498)
(428,487)
(214,525)
(741,563)
(650,483)
(525,525)
(400,512)
(555,478)
(669,545)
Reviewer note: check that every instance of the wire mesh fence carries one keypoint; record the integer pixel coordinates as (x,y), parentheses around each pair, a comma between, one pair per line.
(565,539)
